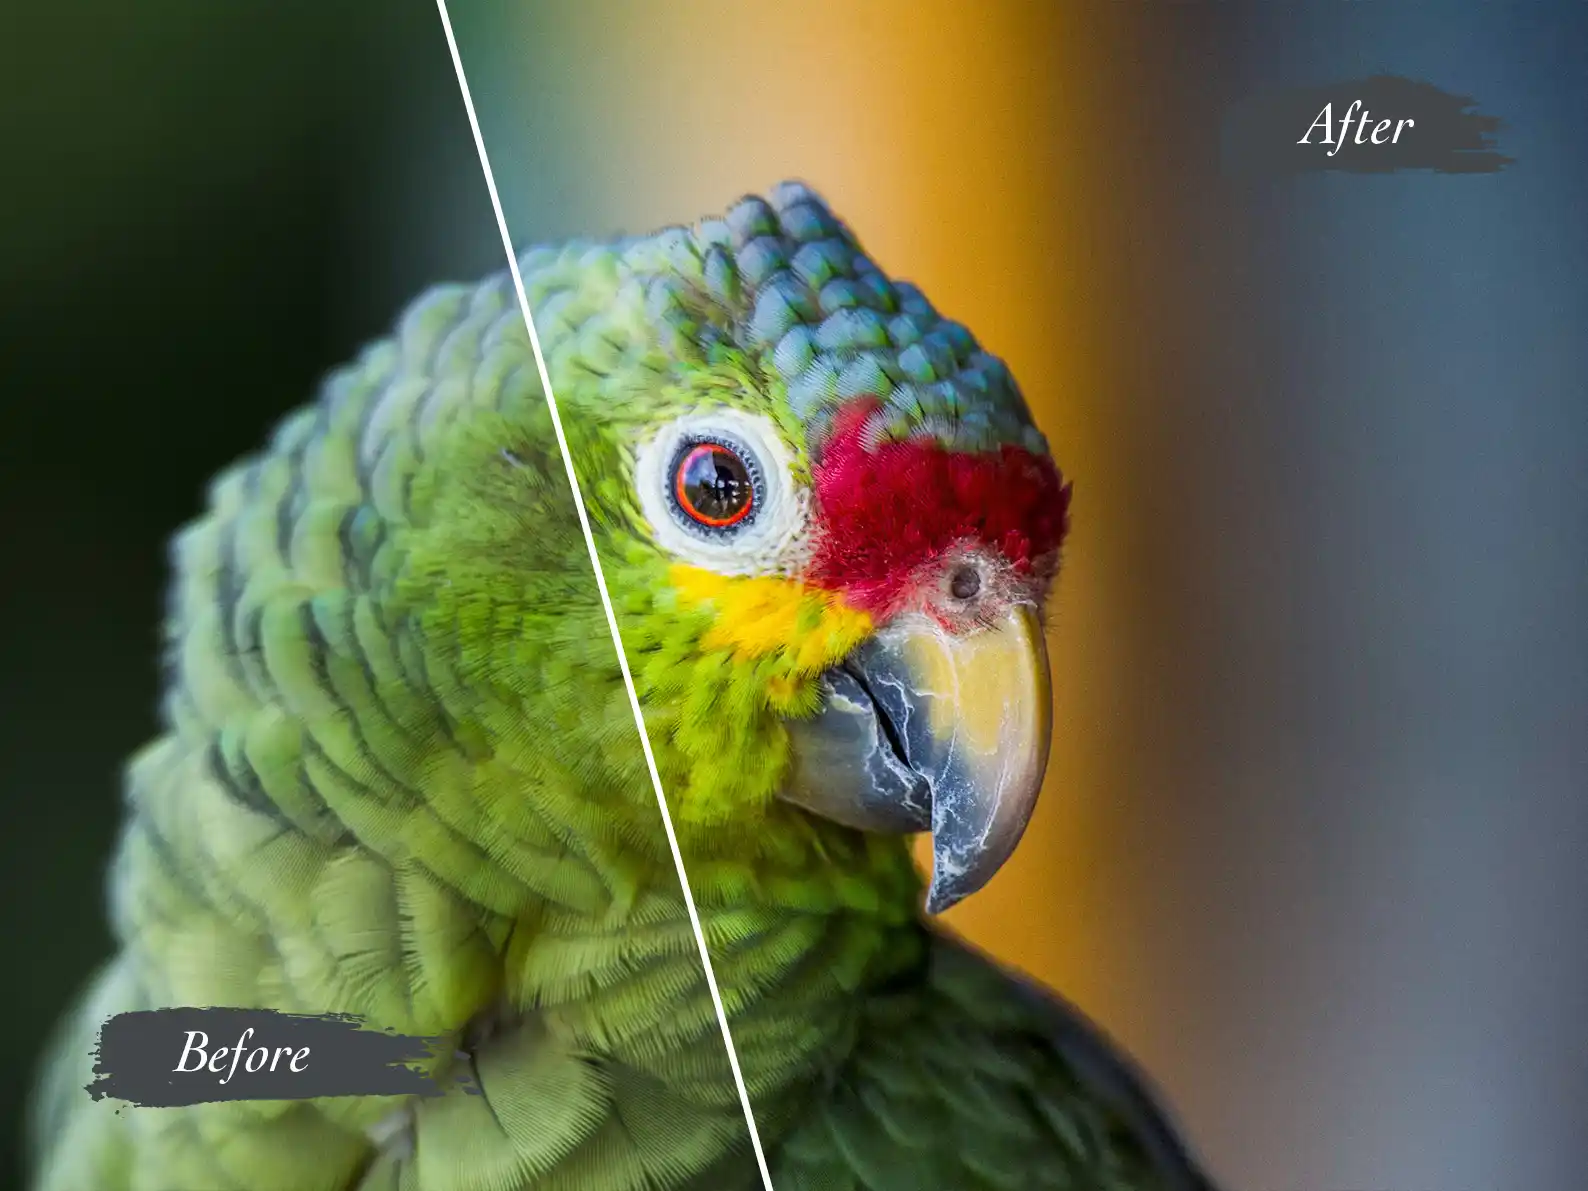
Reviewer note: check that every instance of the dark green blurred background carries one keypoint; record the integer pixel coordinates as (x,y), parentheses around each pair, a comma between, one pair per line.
(1314,843)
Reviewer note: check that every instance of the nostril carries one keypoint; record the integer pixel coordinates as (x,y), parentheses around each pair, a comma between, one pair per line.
(965,582)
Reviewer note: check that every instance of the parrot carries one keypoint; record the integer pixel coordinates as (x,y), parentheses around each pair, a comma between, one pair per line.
(399,776)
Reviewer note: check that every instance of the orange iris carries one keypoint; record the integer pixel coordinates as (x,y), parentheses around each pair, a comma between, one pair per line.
(713,486)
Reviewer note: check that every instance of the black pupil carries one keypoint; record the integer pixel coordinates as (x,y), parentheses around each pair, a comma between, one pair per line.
(965,583)
(715,483)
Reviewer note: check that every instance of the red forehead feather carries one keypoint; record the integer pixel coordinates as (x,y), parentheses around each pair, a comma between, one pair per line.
(881,513)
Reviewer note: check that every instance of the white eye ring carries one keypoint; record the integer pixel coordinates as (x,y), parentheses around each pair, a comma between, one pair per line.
(768,540)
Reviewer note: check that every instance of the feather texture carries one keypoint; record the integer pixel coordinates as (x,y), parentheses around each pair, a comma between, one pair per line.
(398,776)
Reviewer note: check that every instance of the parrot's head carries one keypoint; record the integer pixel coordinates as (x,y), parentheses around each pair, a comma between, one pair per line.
(828,525)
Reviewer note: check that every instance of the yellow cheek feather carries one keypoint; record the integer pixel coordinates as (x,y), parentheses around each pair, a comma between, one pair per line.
(806,628)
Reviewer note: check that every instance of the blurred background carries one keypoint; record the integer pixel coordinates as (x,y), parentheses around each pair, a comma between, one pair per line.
(1312,840)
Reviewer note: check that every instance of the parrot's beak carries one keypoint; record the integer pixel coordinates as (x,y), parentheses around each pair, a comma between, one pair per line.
(926,730)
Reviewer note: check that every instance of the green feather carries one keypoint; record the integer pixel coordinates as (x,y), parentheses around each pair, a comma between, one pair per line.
(398,777)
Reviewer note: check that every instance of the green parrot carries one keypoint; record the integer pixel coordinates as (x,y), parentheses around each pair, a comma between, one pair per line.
(399,775)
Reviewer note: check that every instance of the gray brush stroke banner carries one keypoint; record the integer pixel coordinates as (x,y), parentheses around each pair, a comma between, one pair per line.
(295,1056)
(1437,131)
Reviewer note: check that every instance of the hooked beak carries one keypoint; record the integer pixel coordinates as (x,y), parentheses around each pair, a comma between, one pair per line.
(923,730)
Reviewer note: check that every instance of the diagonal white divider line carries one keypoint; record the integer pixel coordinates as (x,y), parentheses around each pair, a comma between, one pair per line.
(606,599)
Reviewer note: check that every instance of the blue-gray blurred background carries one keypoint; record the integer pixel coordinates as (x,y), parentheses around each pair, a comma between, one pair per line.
(1313,843)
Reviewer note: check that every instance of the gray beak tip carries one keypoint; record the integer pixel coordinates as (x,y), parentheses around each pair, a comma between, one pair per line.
(939,899)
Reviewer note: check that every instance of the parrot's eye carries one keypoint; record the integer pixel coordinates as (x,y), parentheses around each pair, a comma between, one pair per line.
(717,488)
(713,485)
(716,484)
